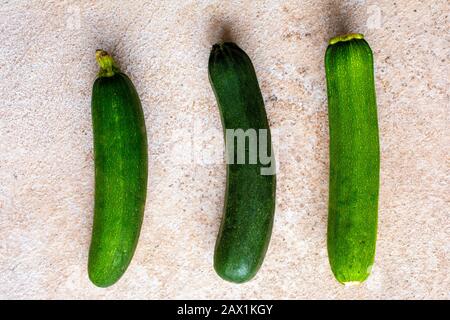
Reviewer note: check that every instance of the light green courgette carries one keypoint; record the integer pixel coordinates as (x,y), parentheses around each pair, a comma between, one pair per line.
(354,158)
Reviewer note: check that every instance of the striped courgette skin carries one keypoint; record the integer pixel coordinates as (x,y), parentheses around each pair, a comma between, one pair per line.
(354,158)
(120,148)
(246,226)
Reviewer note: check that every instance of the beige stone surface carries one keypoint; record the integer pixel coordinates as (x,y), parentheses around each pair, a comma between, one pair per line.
(47,68)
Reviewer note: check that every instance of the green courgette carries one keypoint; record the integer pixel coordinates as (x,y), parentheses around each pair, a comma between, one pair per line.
(120,151)
(247,221)
(354,158)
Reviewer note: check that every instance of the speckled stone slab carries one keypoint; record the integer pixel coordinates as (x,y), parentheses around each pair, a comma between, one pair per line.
(47,68)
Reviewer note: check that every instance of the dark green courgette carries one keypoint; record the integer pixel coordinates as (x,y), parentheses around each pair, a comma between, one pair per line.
(246,226)
(120,148)
(354,158)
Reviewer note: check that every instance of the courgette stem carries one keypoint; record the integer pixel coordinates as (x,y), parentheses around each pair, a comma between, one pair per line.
(346,37)
(108,66)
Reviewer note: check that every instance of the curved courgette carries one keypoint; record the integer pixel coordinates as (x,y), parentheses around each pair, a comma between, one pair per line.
(120,148)
(354,158)
(246,226)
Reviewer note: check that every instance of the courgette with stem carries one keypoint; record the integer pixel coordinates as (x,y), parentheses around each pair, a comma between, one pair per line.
(120,151)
